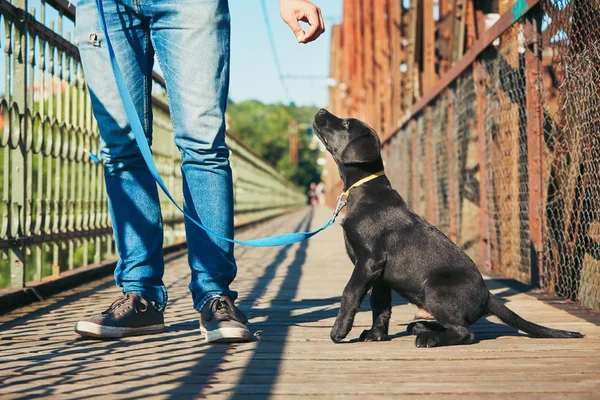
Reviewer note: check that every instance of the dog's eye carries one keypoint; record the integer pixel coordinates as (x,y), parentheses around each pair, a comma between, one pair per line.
(345,124)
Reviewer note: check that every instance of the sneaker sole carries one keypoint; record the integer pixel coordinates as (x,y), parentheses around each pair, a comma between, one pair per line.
(90,329)
(227,335)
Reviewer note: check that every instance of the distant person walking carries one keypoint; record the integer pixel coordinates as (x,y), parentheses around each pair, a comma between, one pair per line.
(320,189)
(312,193)
(192,41)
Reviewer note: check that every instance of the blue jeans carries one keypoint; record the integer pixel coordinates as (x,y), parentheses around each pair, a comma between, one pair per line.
(191,40)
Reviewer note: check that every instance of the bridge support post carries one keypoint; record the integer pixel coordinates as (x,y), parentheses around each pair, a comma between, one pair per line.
(18,199)
(451,165)
(480,78)
(535,143)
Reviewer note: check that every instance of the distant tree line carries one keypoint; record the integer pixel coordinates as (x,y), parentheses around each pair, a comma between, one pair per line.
(264,128)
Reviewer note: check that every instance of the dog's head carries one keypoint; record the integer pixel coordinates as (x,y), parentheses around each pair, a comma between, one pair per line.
(350,141)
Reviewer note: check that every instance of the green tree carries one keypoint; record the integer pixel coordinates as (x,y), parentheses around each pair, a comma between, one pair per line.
(264,127)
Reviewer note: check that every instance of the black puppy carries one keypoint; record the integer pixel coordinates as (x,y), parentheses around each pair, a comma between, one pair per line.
(393,248)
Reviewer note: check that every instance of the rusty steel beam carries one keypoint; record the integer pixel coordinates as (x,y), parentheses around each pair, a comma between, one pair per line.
(470,24)
(480,77)
(445,7)
(334,62)
(457,42)
(414,160)
(431,213)
(331,177)
(452,231)
(352,55)
(429,76)
(386,82)
(360,62)
(535,145)
(504,23)
(411,15)
(402,174)
(368,44)
(504,6)
(379,20)
(347,52)
(396,49)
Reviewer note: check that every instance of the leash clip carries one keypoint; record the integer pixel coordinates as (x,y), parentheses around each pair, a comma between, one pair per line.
(341,203)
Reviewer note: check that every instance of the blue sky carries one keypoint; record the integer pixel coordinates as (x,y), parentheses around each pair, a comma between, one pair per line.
(253,71)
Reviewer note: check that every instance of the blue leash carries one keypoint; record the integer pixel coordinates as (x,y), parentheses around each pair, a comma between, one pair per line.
(140,138)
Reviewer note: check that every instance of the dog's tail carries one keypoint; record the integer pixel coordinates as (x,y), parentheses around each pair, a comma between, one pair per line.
(510,318)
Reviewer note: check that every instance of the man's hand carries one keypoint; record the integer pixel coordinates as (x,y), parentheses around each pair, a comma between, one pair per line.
(293,11)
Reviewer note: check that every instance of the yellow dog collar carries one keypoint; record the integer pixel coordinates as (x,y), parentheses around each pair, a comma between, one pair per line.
(341,200)
(363,181)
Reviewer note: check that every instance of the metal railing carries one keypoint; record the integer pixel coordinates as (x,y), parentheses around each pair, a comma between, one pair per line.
(502,153)
(54,208)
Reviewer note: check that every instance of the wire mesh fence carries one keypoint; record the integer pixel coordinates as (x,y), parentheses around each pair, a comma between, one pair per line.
(571,108)
(506,158)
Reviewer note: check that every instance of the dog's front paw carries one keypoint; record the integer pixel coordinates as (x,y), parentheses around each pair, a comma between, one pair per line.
(337,334)
(336,338)
(372,335)
(426,340)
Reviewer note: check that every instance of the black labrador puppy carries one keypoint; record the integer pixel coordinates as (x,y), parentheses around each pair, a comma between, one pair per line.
(394,248)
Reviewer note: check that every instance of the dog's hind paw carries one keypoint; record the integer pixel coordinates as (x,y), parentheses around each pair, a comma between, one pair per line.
(370,335)
(415,328)
(426,340)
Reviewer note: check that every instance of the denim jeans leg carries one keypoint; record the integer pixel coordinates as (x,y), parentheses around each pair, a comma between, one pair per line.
(191,40)
(132,193)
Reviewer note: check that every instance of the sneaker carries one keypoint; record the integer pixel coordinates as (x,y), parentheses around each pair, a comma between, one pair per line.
(129,315)
(223,322)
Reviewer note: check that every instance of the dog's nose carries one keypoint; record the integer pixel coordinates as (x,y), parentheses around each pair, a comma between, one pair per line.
(320,116)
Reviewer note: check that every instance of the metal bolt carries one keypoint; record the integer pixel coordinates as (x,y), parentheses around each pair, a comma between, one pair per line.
(93,37)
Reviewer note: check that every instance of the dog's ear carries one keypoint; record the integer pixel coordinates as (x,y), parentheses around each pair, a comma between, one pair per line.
(363,149)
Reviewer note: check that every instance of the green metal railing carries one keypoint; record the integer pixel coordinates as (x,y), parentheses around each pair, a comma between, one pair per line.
(54,208)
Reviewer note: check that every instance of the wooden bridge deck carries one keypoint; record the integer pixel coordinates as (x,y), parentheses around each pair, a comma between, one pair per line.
(291,295)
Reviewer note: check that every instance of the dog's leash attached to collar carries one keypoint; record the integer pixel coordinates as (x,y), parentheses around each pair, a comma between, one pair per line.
(342,198)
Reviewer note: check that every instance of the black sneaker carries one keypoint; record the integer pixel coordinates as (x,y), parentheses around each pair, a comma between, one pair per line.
(129,315)
(222,322)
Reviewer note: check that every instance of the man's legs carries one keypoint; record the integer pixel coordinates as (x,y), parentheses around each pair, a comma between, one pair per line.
(192,43)
(132,192)
(191,40)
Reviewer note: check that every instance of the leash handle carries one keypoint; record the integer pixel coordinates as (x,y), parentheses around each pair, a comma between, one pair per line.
(142,142)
